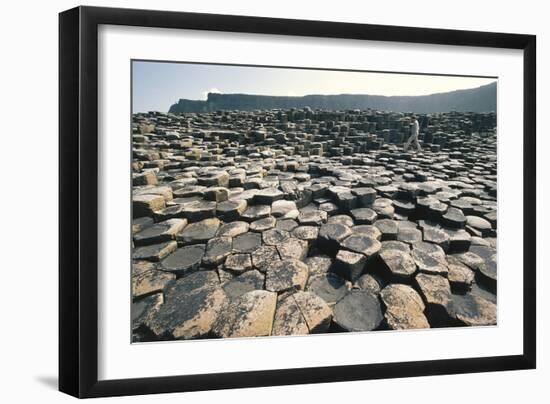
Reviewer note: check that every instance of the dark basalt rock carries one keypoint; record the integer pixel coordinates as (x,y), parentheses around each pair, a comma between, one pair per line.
(473,310)
(238,262)
(399,265)
(349,265)
(367,230)
(247,242)
(155,252)
(454,218)
(184,260)
(436,292)
(302,313)
(264,256)
(362,244)
(364,216)
(404,307)
(239,285)
(331,235)
(286,274)
(329,191)
(329,286)
(388,228)
(231,210)
(199,232)
(368,282)
(217,249)
(250,315)
(358,310)
(191,305)
(274,237)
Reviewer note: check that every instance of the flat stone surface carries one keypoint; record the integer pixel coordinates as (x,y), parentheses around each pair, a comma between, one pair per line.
(149,282)
(404,308)
(368,282)
(199,232)
(293,248)
(331,235)
(286,274)
(250,315)
(246,282)
(364,215)
(367,230)
(256,212)
(141,223)
(341,219)
(264,256)
(232,229)
(358,310)
(263,224)
(388,229)
(318,265)
(333,190)
(217,249)
(191,305)
(146,205)
(238,262)
(231,210)
(184,260)
(274,237)
(155,252)
(284,209)
(302,313)
(362,244)
(473,310)
(247,242)
(399,265)
(307,233)
(349,265)
(329,286)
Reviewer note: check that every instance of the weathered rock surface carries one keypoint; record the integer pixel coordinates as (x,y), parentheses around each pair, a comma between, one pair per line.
(238,193)
(358,310)
(191,305)
(184,260)
(250,315)
(286,274)
(404,307)
(302,313)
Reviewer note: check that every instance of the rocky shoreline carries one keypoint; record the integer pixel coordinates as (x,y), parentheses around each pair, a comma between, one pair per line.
(293,222)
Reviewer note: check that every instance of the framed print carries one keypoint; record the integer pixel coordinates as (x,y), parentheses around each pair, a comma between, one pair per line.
(251,201)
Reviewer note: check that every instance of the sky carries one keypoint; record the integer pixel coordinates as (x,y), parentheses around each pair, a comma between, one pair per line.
(157,85)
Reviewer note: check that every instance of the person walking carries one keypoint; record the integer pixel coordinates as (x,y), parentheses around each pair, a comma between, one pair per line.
(415,129)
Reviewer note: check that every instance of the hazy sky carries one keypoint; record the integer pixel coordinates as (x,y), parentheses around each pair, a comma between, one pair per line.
(157,85)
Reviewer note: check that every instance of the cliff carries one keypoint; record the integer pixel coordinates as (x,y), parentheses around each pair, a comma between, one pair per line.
(480,99)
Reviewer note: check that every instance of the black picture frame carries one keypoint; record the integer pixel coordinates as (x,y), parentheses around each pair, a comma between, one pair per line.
(78,201)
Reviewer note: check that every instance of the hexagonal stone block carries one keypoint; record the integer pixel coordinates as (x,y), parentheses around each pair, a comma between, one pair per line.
(184,260)
(155,252)
(146,205)
(244,283)
(286,274)
(232,229)
(238,262)
(263,256)
(399,265)
(217,249)
(293,248)
(160,232)
(302,313)
(358,310)
(250,315)
(199,232)
(190,307)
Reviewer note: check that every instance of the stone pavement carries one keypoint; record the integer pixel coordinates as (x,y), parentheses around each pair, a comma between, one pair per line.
(291,222)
